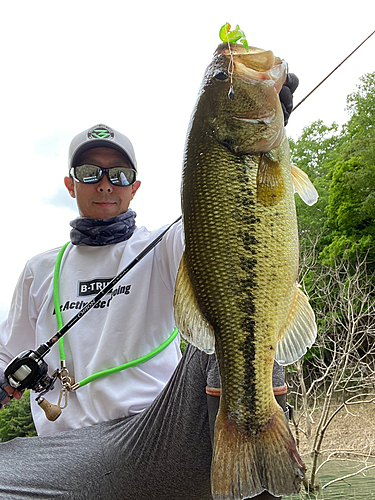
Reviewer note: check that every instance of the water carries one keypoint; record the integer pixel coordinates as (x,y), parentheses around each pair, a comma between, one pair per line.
(360,487)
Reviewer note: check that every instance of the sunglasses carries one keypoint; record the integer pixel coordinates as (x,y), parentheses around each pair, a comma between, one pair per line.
(91,174)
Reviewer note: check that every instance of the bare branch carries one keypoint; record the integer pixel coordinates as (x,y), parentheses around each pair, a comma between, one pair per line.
(339,370)
(347,476)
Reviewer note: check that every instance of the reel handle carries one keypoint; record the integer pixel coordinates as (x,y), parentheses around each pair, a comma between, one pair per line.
(51,411)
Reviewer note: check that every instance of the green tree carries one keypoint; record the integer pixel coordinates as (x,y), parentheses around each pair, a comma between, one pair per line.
(16,420)
(337,262)
(314,148)
(351,210)
(360,128)
(312,152)
(351,202)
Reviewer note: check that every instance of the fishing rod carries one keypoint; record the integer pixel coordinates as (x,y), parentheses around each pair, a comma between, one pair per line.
(28,370)
(324,79)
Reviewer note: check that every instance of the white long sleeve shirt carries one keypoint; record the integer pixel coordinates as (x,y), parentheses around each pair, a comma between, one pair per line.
(131,321)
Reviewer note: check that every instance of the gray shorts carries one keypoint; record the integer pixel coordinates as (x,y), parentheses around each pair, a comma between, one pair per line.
(163,453)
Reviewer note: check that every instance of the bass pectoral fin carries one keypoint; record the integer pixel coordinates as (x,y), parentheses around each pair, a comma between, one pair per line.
(190,321)
(270,180)
(303,186)
(299,332)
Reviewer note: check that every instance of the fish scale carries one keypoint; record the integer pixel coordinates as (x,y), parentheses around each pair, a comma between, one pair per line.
(234,264)
(235,290)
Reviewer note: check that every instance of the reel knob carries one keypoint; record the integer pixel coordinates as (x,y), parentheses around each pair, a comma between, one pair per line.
(51,411)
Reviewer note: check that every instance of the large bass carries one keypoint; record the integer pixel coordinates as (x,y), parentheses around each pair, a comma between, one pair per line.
(236,290)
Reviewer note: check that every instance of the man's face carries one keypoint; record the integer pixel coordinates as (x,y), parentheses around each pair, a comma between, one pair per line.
(102,200)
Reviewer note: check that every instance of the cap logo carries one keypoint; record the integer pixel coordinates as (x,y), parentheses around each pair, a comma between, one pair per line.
(101,132)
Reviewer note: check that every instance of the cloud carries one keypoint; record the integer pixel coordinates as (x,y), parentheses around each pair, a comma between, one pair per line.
(60,199)
(54,145)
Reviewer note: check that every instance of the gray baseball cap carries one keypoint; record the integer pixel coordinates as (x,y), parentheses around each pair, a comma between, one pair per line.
(100,136)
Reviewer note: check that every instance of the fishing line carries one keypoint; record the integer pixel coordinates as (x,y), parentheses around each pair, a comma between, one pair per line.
(230,71)
(295,107)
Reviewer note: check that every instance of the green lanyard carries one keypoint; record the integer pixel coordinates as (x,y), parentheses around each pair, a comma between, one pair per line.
(109,371)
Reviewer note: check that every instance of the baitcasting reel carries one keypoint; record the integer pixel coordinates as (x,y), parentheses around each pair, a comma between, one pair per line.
(28,370)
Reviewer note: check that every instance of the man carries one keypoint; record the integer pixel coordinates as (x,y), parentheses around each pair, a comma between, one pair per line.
(127,324)
(142,432)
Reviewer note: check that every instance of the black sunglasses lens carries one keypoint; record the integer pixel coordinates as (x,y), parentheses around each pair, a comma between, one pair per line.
(118,176)
(88,174)
(121,176)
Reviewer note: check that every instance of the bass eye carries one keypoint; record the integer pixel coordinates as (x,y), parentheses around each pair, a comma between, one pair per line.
(221,75)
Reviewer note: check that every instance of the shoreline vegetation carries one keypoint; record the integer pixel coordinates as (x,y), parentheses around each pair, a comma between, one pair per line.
(350,433)
(349,438)
(337,273)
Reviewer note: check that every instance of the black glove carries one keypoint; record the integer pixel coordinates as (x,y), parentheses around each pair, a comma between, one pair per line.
(286,95)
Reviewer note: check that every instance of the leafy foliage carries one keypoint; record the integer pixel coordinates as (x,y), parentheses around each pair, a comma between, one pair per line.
(312,153)
(351,207)
(16,420)
(337,265)
(360,130)
(341,165)
(315,146)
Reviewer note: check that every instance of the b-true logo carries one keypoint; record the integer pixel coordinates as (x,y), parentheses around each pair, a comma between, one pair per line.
(92,287)
(96,285)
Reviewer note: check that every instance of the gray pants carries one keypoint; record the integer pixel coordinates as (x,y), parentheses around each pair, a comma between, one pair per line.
(163,453)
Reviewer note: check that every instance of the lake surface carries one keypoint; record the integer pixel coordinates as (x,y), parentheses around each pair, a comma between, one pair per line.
(360,487)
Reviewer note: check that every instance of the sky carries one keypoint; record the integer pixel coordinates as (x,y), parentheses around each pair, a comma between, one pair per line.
(137,67)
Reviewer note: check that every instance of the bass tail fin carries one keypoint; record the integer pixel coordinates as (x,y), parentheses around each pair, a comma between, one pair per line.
(245,465)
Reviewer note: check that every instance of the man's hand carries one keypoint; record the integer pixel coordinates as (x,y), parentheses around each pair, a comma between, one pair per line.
(286,95)
(7,392)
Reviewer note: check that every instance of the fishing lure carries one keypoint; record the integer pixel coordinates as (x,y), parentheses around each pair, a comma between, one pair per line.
(233,36)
